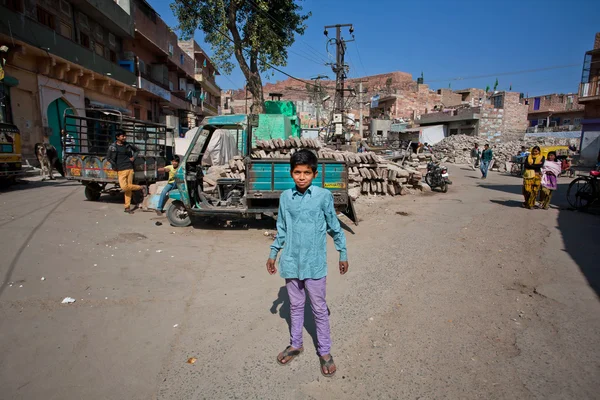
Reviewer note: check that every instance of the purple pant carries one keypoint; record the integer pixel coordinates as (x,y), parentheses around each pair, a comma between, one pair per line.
(316,293)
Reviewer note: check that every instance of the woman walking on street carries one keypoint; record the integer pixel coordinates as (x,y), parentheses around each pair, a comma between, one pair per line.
(532,177)
(550,173)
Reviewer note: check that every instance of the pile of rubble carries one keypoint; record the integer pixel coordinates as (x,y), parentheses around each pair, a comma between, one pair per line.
(368,173)
(457,149)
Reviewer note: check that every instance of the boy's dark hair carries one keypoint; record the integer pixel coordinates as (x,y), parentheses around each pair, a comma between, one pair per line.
(176,158)
(304,157)
(120,132)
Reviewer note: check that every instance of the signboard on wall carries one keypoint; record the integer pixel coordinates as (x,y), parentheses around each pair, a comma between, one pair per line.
(155,89)
(375,101)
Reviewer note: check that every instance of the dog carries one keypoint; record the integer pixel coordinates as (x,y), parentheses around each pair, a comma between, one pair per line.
(47,155)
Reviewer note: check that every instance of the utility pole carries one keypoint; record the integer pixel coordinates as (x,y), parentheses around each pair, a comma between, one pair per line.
(318,98)
(340,70)
(360,104)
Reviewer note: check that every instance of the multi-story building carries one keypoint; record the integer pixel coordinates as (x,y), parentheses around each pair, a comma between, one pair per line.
(501,116)
(63,56)
(169,88)
(204,73)
(554,112)
(589,97)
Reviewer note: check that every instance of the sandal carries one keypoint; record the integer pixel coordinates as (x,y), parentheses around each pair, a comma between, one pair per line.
(327,364)
(288,353)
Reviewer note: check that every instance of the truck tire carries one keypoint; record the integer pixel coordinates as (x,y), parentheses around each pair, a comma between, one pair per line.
(178,215)
(92,191)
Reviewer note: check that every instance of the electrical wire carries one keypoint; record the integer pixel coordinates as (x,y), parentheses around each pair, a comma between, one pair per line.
(526,71)
(314,55)
(359,58)
(268,64)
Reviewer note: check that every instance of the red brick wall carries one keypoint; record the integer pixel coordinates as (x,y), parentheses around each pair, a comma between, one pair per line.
(515,116)
(597,41)
(555,102)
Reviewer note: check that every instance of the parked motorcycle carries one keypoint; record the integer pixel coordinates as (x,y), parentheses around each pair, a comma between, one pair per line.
(437,176)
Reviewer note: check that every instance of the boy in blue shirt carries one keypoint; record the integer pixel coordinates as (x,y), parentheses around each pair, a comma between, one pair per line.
(306,214)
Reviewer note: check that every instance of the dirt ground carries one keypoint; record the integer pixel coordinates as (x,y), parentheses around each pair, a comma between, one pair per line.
(457,295)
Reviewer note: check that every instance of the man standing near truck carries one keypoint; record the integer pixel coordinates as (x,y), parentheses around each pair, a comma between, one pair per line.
(121,156)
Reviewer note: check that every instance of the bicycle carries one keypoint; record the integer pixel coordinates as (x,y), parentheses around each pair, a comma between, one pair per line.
(584,191)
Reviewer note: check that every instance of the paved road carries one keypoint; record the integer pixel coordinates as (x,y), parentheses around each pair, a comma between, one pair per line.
(462,295)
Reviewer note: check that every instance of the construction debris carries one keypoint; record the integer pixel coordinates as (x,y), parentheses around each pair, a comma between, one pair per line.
(368,173)
(457,148)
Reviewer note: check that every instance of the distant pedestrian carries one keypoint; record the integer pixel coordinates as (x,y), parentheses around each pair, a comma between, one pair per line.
(171,169)
(532,177)
(550,173)
(475,156)
(486,158)
(306,215)
(121,155)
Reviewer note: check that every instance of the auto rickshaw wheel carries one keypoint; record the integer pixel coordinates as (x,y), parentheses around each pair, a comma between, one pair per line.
(178,215)
(93,191)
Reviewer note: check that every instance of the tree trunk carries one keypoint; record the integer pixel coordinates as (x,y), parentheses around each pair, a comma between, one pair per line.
(253,79)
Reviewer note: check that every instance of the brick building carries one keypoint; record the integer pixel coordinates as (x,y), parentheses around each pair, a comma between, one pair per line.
(77,55)
(501,116)
(589,97)
(554,112)
(62,56)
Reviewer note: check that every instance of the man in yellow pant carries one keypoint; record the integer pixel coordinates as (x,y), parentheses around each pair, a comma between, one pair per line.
(122,155)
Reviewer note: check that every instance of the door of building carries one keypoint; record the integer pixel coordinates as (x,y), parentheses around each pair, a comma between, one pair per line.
(56,122)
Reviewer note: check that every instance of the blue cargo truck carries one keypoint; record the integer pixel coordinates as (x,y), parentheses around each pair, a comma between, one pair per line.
(255,196)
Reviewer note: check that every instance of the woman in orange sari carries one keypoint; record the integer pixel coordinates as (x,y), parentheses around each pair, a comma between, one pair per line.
(532,177)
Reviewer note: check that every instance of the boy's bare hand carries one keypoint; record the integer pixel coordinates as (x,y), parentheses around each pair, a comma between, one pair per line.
(343,267)
(271,268)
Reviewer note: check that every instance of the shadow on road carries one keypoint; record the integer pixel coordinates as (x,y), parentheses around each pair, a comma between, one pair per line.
(581,235)
(284,312)
(580,230)
(24,184)
(508,203)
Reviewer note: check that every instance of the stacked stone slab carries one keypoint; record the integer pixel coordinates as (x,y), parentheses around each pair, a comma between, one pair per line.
(368,173)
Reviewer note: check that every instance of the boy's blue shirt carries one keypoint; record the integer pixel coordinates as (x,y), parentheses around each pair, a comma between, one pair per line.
(302,224)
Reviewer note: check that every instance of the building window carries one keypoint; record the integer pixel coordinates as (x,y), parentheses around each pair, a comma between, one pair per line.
(113,56)
(170,49)
(136,113)
(566,121)
(112,40)
(99,33)
(181,59)
(99,49)
(149,115)
(65,8)
(84,40)
(577,121)
(498,101)
(15,5)
(561,99)
(45,18)
(5,108)
(548,98)
(65,30)
(83,21)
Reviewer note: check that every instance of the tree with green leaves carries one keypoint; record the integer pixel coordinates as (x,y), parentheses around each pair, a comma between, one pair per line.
(256,32)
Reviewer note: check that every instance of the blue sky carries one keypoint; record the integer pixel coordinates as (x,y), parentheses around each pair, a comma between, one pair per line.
(446,39)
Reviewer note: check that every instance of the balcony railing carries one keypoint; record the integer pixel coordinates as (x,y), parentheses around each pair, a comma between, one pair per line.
(589,89)
(30,31)
(210,108)
(561,128)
